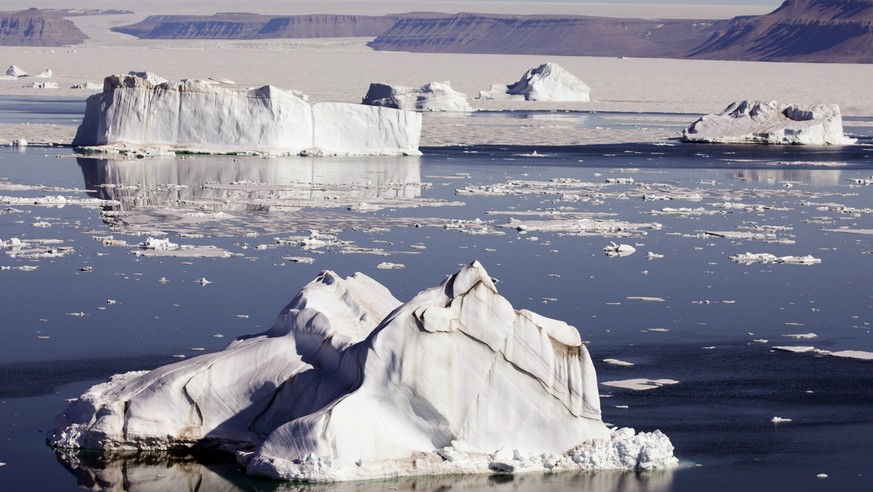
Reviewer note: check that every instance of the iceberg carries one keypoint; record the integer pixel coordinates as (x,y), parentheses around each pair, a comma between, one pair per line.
(435,96)
(350,383)
(143,111)
(547,82)
(769,122)
(16,71)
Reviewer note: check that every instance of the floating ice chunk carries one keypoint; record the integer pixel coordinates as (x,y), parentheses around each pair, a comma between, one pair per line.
(203,281)
(771,123)
(851,354)
(822,475)
(619,249)
(344,387)
(87,85)
(387,265)
(46,74)
(547,82)
(779,420)
(800,336)
(653,256)
(749,258)
(639,384)
(15,71)
(617,362)
(646,299)
(435,96)
(158,244)
(795,349)
(43,85)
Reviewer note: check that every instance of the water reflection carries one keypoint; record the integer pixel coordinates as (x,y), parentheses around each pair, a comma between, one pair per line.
(232,184)
(161,471)
(815,177)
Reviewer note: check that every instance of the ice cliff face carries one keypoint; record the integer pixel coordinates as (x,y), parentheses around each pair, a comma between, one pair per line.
(547,82)
(435,96)
(142,110)
(771,123)
(350,384)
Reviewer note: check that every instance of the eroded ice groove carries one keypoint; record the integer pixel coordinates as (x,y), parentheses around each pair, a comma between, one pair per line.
(351,384)
(770,122)
(143,113)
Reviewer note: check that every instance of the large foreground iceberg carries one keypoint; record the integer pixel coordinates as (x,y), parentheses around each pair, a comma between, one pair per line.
(350,383)
(771,123)
(435,96)
(141,110)
(547,82)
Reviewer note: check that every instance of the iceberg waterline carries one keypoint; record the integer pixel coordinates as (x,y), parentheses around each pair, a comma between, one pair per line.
(141,111)
(350,383)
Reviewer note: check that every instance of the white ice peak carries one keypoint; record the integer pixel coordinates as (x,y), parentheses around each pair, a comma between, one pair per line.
(547,82)
(350,383)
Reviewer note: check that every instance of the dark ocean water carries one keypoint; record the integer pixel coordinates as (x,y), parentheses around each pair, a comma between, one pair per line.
(713,329)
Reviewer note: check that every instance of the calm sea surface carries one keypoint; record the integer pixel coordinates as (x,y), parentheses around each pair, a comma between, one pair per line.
(91,308)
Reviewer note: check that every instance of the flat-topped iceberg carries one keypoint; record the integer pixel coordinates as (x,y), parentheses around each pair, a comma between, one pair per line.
(547,82)
(142,110)
(435,96)
(350,383)
(769,122)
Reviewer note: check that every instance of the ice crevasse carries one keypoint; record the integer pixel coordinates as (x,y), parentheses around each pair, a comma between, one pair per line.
(144,111)
(351,384)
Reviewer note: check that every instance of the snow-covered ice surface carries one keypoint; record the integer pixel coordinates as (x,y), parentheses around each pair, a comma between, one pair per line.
(769,122)
(345,350)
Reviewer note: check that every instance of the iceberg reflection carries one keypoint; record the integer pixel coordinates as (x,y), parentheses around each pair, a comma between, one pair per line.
(232,183)
(815,177)
(160,471)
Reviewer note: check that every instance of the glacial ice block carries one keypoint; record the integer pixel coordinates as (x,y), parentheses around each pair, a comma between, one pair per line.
(143,111)
(769,122)
(547,82)
(434,96)
(351,384)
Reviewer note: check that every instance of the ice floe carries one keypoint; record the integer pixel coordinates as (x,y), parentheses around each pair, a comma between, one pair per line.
(770,122)
(749,258)
(639,384)
(619,249)
(141,111)
(350,383)
(435,96)
(547,82)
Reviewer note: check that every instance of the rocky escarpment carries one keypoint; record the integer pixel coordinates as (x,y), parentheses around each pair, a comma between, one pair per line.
(545,35)
(35,27)
(229,25)
(799,30)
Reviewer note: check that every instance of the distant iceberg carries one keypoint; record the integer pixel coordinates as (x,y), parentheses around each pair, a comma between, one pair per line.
(547,82)
(142,111)
(350,383)
(769,122)
(435,96)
